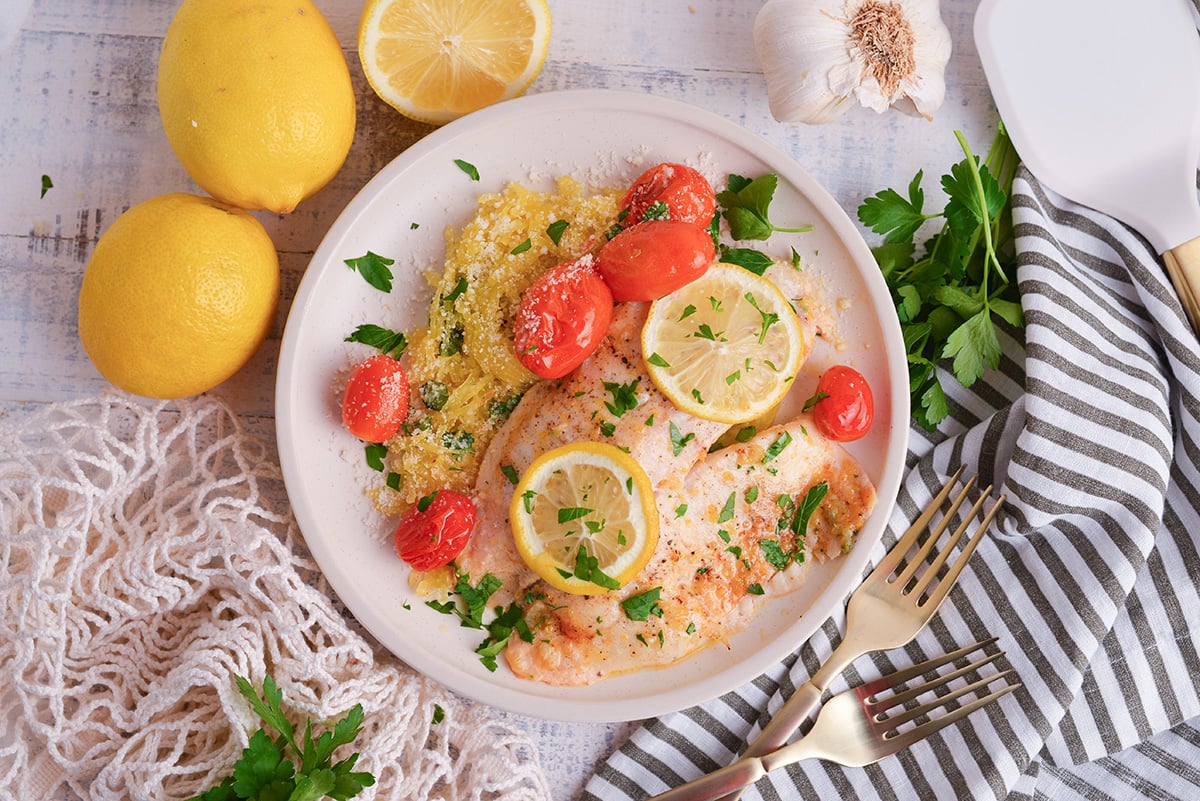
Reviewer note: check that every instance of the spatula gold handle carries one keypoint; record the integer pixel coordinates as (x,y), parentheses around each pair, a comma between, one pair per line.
(1183,265)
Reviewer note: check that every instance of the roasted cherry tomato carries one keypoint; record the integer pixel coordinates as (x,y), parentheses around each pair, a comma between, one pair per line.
(653,258)
(687,195)
(436,530)
(376,399)
(844,409)
(562,317)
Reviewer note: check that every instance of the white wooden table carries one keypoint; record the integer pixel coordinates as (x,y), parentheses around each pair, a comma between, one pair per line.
(77,103)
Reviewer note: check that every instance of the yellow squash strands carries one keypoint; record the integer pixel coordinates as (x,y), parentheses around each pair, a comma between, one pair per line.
(435,60)
(483,280)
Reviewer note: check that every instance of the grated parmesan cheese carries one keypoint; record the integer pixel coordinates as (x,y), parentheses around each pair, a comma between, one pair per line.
(467,345)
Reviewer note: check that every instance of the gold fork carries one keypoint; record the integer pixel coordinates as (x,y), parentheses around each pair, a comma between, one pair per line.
(889,608)
(858,727)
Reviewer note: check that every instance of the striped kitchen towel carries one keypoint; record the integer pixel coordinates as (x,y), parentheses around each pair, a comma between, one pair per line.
(1090,576)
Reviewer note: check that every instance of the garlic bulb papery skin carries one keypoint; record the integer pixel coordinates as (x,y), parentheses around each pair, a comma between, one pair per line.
(821,56)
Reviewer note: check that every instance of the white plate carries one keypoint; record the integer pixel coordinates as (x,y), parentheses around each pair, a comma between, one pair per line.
(603,138)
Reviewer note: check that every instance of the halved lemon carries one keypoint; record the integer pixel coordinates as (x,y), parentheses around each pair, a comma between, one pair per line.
(436,60)
(583,518)
(725,347)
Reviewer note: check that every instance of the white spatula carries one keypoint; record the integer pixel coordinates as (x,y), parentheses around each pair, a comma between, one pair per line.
(1102,101)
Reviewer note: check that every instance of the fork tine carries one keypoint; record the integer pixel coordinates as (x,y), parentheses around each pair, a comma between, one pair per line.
(890,560)
(935,534)
(904,696)
(938,594)
(930,575)
(907,674)
(893,722)
(898,742)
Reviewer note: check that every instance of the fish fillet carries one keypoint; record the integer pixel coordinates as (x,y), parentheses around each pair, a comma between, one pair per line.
(711,574)
(716,564)
(575,408)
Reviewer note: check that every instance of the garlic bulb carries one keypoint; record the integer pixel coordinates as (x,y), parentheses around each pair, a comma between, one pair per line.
(818,55)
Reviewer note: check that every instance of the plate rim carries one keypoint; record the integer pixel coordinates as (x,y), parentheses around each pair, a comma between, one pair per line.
(887,485)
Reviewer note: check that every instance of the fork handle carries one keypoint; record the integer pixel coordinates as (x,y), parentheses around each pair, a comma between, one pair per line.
(805,699)
(799,706)
(734,777)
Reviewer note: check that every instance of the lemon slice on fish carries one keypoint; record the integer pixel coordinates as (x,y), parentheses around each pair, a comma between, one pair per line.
(725,347)
(583,518)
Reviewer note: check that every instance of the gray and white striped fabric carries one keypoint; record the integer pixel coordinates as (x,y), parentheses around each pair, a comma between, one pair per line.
(1090,578)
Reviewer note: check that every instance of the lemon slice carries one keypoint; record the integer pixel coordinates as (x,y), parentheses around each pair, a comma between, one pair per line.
(724,347)
(583,518)
(435,60)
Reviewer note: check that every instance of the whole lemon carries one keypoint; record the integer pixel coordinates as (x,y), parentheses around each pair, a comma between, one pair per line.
(256,99)
(178,295)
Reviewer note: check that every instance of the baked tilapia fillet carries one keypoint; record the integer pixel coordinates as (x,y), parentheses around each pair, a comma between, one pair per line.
(756,517)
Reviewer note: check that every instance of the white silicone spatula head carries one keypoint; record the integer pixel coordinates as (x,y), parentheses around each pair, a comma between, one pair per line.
(1102,101)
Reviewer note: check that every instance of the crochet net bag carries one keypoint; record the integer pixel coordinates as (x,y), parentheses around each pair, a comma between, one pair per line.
(147,556)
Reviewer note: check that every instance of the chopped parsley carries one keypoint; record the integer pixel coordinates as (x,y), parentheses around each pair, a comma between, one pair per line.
(382,339)
(555,230)
(501,409)
(727,510)
(807,505)
(640,607)
(815,399)
(375,452)
(657,360)
(469,168)
(776,447)
(624,397)
(460,286)
(375,269)
(459,442)
(434,394)
(679,440)
(521,248)
(569,513)
(47,185)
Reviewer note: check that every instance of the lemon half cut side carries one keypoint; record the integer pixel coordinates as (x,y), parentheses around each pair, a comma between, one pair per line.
(436,60)
(584,519)
(725,347)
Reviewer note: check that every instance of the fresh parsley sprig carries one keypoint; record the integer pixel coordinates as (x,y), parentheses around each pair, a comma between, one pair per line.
(953,294)
(267,773)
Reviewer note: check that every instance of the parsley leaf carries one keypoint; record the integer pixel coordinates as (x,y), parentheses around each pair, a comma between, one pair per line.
(624,397)
(954,292)
(641,607)
(383,339)
(470,169)
(375,269)
(555,230)
(755,261)
(47,185)
(266,770)
(434,394)
(745,205)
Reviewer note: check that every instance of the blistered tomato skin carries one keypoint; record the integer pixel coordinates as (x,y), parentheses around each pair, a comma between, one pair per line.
(432,537)
(562,318)
(687,194)
(375,403)
(654,258)
(846,408)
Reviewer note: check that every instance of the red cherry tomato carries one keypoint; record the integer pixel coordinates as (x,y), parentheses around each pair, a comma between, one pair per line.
(687,194)
(562,317)
(376,399)
(432,536)
(844,409)
(653,258)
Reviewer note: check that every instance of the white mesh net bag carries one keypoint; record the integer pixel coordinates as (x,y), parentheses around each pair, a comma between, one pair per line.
(147,556)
